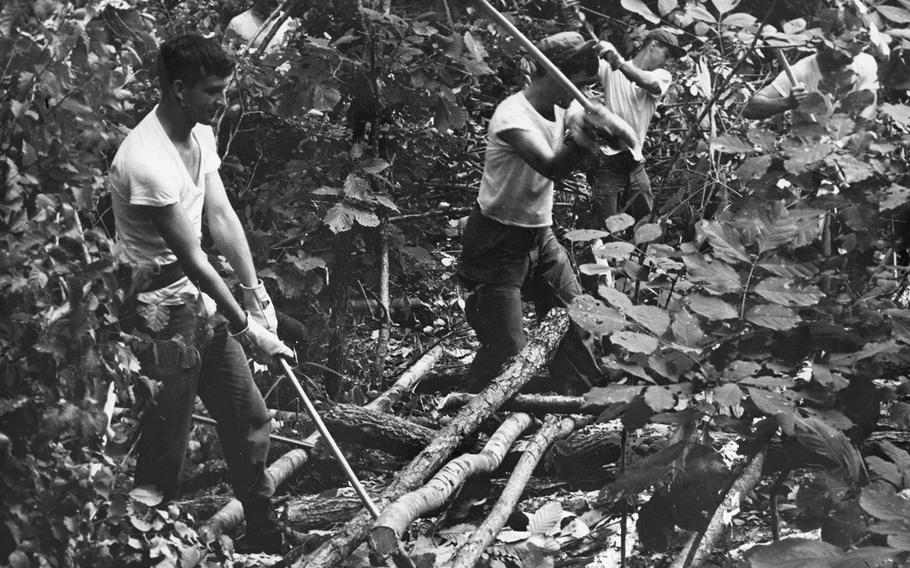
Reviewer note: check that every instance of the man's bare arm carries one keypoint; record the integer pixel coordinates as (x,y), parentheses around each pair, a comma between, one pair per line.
(533,149)
(226,230)
(768,102)
(173,225)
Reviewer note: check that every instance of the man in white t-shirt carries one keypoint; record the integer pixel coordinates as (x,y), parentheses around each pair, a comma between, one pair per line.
(164,177)
(632,89)
(838,59)
(508,247)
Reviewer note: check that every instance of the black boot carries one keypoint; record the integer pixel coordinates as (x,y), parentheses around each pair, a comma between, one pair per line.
(263,534)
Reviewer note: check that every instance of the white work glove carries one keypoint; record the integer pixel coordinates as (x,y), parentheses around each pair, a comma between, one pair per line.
(256,300)
(263,339)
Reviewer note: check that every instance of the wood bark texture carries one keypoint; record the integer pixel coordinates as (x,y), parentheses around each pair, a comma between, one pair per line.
(517,373)
(398,516)
(317,512)
(469,554)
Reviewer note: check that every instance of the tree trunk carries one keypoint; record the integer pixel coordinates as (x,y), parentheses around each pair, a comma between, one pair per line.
(397,517)
(385,323)
(469,554)
(317,512)
(377,430)
(531,403)
(517,373)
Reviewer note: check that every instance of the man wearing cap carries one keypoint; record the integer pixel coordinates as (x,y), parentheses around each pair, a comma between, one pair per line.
(838,56)
(632,90)
(508,247)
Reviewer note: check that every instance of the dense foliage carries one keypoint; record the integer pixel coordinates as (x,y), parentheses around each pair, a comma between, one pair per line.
(763,300)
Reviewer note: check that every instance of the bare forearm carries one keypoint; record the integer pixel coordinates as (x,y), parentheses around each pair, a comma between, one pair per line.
(198,268)
(760,106)
(230,239)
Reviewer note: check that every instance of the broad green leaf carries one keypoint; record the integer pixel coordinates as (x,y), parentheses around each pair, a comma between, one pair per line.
(611,394)
(770,403)
(666,6)
(769,382)
(640,8)
(787,269)
(584,235)
(654,319)
(647,233)
(724,6)
(794,553)
(594,317)
(714,309)
(155,316)
(785,292)
(899,113)
(148,495)
(545,520)
(853,169)
(741,20)
(634,341)
(894,13)
(659,399)
(885,470)
(805,153)
(730,144)
(615,298)
(686,328)
(614,250)
(893,197)
(869,350)
(762,138)
(773,317)
(817,436)
(753,167)
(883,503)
(870,557)
(700,13)
(620,222)
(475,48)
(37,279)
(593,269)
(728,395)
(794,26)
(716,276)
(373,165)
(724,241)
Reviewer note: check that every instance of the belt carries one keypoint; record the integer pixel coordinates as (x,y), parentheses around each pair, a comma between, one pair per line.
(163,276)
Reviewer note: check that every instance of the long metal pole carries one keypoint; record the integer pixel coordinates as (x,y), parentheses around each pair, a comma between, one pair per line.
(320,426)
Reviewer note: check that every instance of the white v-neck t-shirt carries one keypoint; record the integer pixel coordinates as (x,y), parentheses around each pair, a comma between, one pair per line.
(148,170)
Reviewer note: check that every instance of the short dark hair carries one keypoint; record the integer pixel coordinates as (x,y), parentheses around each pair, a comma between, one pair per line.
(189,58)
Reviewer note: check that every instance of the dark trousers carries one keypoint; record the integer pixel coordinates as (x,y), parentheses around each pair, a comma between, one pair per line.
(188,357)
(619,183)
(501,264)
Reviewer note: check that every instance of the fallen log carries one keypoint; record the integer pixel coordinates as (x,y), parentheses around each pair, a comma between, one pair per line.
(281,469)
(701,544)
(586,450)
(376,430)
(386,533)
(517,373)
(532,403)
(469,554)
(317,512)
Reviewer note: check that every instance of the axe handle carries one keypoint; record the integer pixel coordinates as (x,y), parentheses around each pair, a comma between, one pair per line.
(552,69)
(782,59)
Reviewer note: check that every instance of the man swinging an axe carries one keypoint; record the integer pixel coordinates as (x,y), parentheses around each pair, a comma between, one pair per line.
(508,247)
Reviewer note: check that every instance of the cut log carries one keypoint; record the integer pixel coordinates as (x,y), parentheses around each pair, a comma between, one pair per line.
(398,516)
(516,374)
(317,512)
(281,469)
(469,554)
(532,403)
(701,544)
(377,430)
(586,450)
